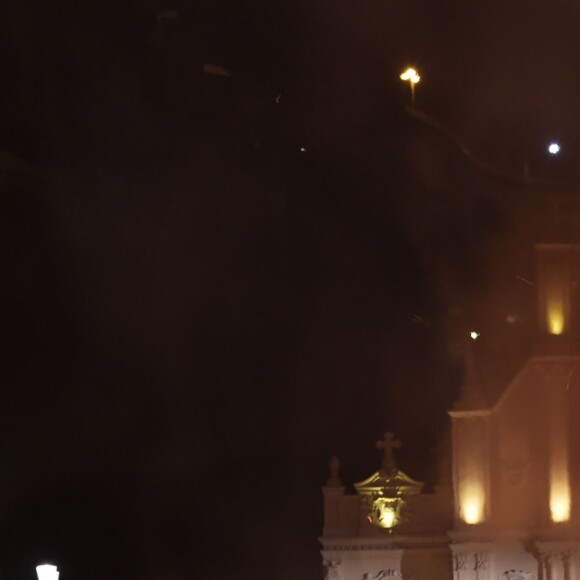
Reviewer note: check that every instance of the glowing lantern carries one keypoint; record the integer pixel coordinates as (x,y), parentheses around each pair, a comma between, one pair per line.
(47,572)
(412,77)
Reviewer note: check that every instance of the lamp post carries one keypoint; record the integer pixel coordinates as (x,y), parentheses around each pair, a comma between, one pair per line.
(47,572)
(412,77)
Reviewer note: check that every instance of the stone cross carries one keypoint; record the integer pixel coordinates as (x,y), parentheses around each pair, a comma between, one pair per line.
(388,443)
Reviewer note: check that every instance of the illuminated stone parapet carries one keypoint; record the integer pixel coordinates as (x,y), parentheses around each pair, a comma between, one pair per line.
(389,528)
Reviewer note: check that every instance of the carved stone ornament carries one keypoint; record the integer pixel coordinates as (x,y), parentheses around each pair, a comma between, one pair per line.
(517,575)
(332,569)
(516,472)
(390,573)
(481,561)
(460,561)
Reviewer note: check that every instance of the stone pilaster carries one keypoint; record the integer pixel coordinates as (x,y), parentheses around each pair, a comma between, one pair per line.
(482,571)
(333,497)
(557,559)
(333,570)
(471,457)
(471,561)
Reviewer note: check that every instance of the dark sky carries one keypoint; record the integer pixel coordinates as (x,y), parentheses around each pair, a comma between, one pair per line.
(196,313)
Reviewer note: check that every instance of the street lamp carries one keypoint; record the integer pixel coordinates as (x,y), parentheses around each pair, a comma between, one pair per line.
(47,572)
(412,77)
(553,148)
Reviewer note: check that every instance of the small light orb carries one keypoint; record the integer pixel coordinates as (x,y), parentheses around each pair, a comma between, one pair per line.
(474,335)
(410,75)
(553,148)
(303,149)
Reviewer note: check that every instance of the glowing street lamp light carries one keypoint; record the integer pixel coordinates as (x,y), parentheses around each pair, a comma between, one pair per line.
(47,572)
(553,148)
(412,77)
(474,335)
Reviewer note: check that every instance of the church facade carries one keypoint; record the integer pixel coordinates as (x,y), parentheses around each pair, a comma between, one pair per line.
(510,510)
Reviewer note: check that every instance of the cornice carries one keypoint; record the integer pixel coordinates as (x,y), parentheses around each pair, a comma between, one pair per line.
(395,542)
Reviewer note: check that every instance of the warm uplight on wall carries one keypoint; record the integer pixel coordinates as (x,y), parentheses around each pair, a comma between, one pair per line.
(560,503)
(560,508)
(555,316)
(472,505)
(559,493)
(471,466)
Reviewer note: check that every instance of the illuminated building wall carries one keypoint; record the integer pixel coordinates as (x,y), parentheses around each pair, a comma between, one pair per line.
(554,265)
(560,500)
(471,465)
(560,495)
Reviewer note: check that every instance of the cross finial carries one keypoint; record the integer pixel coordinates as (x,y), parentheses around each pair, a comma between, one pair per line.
(388,443)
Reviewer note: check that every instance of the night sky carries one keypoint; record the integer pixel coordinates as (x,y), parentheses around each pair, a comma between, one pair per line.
(211,283)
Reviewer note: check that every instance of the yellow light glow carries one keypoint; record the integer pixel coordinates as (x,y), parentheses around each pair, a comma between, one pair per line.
(559,495)
(556,319)
(560,509)
(386,512)
(388,518)
(474,335)
(472,509)
(410,75)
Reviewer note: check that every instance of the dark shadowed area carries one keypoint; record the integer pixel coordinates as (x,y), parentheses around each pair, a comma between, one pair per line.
(230,251)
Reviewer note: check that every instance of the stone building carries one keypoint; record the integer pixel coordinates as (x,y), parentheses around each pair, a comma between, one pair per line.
(509,511)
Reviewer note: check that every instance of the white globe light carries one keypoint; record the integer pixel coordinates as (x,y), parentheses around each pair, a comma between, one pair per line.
(554,148)
(47,572)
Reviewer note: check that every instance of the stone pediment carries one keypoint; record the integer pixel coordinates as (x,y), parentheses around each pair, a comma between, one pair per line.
(393,484)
